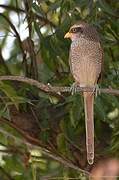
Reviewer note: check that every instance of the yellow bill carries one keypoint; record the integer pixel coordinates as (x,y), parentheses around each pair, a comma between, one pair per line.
(67,35)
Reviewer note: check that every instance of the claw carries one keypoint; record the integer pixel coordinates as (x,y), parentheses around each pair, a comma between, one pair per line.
(96,90)
(73,88)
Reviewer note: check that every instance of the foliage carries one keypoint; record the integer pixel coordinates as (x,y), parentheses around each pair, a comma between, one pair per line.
(32,44)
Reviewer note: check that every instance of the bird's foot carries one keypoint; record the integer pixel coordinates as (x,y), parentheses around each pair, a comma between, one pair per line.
(73,88)
(96,90)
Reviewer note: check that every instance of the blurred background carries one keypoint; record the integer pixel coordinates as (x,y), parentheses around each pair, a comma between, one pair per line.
(32,44)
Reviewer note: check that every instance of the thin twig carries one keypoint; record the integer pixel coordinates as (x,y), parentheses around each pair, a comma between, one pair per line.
(48,88)
(11,8)
(45,152)
(16,34)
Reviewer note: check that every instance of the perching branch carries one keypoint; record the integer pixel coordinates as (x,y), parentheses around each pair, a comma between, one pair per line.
(48,88)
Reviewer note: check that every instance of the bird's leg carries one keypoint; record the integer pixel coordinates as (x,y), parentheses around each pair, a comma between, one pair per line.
(73,88)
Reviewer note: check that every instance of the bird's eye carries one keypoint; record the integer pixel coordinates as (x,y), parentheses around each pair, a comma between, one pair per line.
(73,30)
(76,29)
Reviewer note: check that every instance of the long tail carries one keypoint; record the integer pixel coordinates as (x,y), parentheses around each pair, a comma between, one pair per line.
(89,123)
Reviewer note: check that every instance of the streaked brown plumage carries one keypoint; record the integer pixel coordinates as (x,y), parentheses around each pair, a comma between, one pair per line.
(86,62)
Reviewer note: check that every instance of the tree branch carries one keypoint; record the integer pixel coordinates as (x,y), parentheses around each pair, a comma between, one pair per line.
(48,88)
(46,152)
(36,16)
(32,54)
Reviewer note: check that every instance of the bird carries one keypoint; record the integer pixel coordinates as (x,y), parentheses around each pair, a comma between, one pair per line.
(86,59)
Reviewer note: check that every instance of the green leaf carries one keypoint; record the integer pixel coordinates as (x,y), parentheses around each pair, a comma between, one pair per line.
(76,110)
(4,112)
(10,93)
(36,26)
(38,9)
(100,110)
(106,7)
(61,143)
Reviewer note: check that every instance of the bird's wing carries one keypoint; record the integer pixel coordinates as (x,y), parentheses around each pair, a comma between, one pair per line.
(102,64)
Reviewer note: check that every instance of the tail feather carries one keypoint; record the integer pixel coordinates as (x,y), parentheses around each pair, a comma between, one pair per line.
(89,123)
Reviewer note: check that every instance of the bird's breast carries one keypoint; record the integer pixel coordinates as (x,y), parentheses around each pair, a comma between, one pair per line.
(85,62)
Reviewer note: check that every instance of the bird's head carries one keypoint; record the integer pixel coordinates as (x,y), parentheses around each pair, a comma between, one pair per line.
(81,29)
